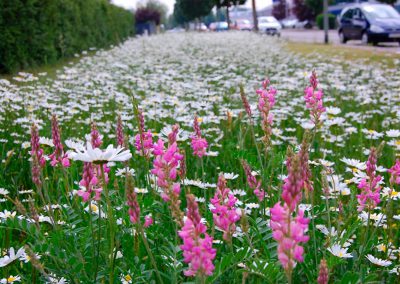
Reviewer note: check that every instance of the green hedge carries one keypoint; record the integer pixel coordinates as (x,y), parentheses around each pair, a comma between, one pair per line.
(331,21)
(34,32)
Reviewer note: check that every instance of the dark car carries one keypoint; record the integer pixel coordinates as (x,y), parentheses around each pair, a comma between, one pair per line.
(370,23)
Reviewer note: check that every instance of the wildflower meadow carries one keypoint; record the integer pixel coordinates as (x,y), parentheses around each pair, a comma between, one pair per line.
(201,158)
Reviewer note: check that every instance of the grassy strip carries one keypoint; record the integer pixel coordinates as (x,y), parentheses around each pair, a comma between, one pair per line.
(344,53)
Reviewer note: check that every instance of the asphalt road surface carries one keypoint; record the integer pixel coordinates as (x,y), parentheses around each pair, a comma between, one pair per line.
(317,36)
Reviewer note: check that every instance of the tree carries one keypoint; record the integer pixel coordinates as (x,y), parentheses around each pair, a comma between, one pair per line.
(145,14)
(390,2)
(302,11)
(160,7)
(178,17)
(194,9)
(279,10)
(227,4)
(316,7)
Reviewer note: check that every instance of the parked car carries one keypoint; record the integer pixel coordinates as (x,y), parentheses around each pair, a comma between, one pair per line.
(219,26)
(242,25)
(289,23)
(269,25)
(370,23)
(304,25)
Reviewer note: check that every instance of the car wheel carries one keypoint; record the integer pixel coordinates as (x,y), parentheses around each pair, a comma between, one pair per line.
(342,38)
(364,38)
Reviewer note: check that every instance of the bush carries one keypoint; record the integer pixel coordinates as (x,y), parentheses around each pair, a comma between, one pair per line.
(331,21)
(37,32)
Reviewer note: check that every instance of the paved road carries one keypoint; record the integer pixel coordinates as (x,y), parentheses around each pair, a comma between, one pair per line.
(317,36)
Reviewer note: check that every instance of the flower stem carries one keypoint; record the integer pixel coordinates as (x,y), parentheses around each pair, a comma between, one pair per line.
(146,245)
(111,224)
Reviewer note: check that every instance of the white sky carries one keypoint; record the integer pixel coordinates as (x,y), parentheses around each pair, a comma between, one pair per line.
(170,3)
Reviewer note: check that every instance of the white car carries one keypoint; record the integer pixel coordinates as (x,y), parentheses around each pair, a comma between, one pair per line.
(269,25)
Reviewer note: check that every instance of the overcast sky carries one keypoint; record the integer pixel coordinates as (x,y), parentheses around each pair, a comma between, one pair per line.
(170,3)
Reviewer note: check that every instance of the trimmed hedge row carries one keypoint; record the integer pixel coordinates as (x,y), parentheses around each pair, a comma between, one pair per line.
(331,21)
(34,32)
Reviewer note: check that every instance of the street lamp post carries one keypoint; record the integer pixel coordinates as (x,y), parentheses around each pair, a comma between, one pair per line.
(255,20)
(326,21)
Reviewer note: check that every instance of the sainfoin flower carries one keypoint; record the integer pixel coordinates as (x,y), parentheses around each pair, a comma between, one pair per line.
(253,183)
(90,182)
(289,232)
(38,160)
(134,208)
(225,214)
(199,144)
(395,173)
(313,98)
(370,188)
(146,139)
(265,103)
(323,275)
(148,221)
(165,167)
(120,132)
(197,244)
(287,221)
(98,156)
(293,184)
(58,156)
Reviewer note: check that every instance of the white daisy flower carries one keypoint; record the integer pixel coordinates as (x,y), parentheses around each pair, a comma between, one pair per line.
(339,251)
(96,155)
(230,175)
(11,256)
(378,261)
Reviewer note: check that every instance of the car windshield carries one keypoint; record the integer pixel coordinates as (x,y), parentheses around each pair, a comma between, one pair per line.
(381,12)
(267,20)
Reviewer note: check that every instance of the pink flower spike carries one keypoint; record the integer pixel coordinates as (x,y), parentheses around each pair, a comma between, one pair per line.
(148,221)
(198,143)
(395,173)
(197,244)
(313,99)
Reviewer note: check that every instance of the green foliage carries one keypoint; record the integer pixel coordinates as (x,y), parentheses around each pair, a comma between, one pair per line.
(390,2)
(331,21)
(187,10)
(37,32)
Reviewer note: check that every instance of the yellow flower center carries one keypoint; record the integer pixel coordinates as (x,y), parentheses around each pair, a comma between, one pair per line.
(340,254)
(128,278)
(355,170)
(93,207)
(347,181)
(371,131)
(394,193)
(199,120)
(397,142)
(11,279)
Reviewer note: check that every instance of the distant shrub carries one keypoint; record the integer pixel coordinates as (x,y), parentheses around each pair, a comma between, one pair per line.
(37,32)
(331,21)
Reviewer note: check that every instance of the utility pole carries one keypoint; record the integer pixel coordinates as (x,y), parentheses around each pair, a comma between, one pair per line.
(255,20)
(326,21)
